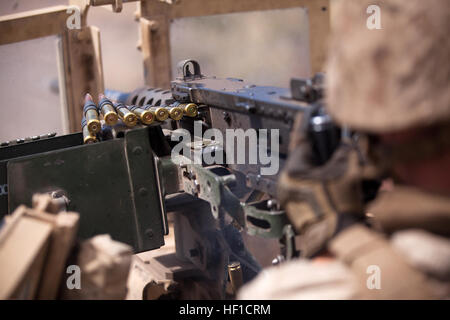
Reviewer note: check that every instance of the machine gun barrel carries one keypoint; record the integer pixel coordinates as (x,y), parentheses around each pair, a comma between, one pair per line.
(144,163)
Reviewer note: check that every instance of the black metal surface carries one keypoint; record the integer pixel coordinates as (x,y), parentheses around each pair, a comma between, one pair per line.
(112,184)
(238,96)
(308,90)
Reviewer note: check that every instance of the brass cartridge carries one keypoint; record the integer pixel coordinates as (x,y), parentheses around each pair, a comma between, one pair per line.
(128,117)
(106,109)
(88,136)
(145,116)
(91,115)
(161,113)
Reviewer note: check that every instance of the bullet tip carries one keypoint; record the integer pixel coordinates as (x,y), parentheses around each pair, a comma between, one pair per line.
(87,97)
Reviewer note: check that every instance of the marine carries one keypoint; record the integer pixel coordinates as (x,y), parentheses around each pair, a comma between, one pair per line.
(391,86)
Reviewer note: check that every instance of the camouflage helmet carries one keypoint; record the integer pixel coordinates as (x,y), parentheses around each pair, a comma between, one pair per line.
(393,78)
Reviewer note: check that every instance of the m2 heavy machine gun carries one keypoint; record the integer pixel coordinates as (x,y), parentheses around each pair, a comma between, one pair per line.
(122,176)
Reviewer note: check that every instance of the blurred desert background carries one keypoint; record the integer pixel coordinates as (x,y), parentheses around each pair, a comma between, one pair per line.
(266,48)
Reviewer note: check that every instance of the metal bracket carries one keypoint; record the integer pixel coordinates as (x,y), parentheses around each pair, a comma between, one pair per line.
(308,90)
(211,185)
(185,72)
(265,223)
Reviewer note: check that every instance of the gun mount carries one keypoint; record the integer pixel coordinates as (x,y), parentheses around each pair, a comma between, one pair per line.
(126,182)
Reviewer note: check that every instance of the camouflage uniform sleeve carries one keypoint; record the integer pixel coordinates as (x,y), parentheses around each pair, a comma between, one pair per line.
(302,280)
